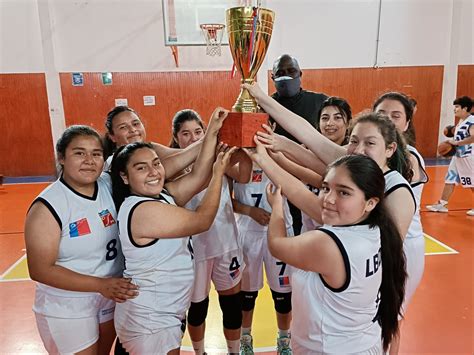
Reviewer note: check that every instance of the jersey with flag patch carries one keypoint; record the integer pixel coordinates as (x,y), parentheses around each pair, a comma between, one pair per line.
(88,242)
(254,194)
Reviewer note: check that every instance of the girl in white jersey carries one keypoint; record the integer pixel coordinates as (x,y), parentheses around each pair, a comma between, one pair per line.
(73,251)
(399,108)
(217,252)
(348,276)
(124,126)
(155,238)
(375,136)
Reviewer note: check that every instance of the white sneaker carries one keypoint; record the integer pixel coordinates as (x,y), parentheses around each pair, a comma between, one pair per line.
(470,212)
(438,207)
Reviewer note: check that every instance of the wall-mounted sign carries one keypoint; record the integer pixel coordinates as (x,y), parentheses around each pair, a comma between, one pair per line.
(121,102)
(107,78)
(148,100)
(77,79)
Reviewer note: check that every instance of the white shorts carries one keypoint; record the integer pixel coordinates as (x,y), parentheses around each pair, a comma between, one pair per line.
(159,343)
(71,334)
(298,349)
(465,168)
(225,271)
(461,171)
(256,253)
(414,249)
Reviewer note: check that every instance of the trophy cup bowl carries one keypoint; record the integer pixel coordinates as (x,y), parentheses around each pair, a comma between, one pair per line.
(249,30)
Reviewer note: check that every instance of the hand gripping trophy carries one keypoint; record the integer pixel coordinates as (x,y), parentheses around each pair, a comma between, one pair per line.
(249,29)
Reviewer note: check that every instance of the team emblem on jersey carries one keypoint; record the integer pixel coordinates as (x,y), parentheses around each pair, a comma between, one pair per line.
(234,274)
(106,218)
(284,281)
(257,176)
(79,228)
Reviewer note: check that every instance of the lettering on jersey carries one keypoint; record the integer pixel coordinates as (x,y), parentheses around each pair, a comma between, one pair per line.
(257,175)
(373,264)
(79,228)
(106,217)
(284,281)
(234,268)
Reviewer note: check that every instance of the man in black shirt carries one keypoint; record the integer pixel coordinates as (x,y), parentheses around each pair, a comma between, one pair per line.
(286,75)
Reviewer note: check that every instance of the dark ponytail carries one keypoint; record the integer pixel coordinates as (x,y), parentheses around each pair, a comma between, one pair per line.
(368,176)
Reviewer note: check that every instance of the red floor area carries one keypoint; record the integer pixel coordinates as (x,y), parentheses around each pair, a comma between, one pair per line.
(439,321)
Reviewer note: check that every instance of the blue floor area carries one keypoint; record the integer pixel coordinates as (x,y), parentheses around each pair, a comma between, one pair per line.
(27,179)
(49,178)
(437,161)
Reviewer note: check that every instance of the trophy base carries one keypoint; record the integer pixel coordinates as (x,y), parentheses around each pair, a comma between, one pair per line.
(239,128)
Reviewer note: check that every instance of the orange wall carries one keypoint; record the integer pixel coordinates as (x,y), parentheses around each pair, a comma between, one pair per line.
(465,81)
(26,145)
(173,91)
(26,148)
(361,86)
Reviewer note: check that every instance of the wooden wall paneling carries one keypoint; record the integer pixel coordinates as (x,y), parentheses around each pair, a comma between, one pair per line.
(361,86)
(465,83)
(173,91)
(26,147)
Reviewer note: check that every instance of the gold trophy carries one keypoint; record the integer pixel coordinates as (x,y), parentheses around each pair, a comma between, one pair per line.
(249,30)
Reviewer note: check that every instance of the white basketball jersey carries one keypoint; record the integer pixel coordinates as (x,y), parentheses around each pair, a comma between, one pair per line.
(222,237)
(340,321)
(462,132)
(164,271)
(108,163)
(416,229)
(254,194)
(89,242)
(309,224)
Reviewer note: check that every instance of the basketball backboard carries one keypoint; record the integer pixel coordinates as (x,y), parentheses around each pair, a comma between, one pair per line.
(182,18)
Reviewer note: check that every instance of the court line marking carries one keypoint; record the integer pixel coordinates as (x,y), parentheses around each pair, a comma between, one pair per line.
(451,250)
(220,351)
(14,265)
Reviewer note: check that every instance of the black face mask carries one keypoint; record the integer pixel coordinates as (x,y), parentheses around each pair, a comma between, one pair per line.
(286,86)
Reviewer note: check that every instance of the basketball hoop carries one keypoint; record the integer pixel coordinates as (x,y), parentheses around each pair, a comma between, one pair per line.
(213,33)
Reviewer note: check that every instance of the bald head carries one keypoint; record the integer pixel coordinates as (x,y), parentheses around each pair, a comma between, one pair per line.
(286,65)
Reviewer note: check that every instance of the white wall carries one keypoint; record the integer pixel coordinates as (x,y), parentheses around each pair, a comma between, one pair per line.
(20,37)
(127,35)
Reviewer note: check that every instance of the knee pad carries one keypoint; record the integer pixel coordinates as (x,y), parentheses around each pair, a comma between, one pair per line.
(282,302)
(198,312)
(231,307)
(248,300)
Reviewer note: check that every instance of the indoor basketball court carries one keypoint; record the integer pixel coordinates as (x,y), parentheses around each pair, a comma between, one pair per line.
(66,63)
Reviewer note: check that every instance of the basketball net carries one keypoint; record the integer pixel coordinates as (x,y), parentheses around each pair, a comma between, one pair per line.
(213,33)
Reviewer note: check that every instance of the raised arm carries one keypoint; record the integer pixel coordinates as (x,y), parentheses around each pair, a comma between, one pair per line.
(304,174)
(294,151)
(292,188)
(175,160)
(42,235)
(177,222)
(184,188)
(301,129)
(240,167)
(401,205)
(311,251)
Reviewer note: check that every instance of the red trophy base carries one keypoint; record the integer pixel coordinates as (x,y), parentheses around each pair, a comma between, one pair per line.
(240,127)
